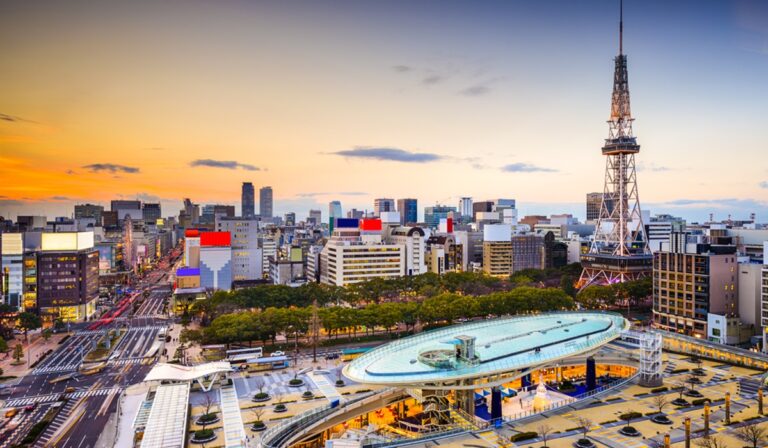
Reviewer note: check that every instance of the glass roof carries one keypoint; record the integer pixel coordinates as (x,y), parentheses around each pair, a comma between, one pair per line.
(501,345)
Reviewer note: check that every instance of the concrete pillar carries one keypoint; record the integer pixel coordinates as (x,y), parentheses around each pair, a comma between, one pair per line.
(687,432)
(466,400)
(666,441)
(760,400)
(496,403)
(591,374)
(727,408)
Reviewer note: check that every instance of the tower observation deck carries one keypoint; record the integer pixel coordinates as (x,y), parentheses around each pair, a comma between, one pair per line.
(619,251)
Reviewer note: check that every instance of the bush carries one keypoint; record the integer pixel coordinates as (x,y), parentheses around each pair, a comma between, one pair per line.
(630,416)
(524,436)
(280,408)
(261,396)
(681,370)
(607,422)
(308,394)
(659,389)
(700,401)
(340,383)
(203,434)
(206,418)
(295,382)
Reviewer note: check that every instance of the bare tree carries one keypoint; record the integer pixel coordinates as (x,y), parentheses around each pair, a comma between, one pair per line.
(585,425)
(258,413)
(544,432)
(278,396)
(260,383)
(660,402)
(207,403)
(753,434)
(711,442)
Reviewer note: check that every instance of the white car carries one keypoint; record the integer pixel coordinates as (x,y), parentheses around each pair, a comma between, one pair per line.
(277,353)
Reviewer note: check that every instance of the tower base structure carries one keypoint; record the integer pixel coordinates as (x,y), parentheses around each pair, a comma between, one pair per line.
(605,269)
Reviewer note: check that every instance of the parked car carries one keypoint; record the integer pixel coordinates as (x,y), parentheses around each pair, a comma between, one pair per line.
(332,356)
(277,353)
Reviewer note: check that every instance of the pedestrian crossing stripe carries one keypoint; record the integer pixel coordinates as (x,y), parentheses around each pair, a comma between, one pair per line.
(24,401)
(64,368)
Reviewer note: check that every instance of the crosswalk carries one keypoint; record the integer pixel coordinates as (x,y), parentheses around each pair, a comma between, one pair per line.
(748,387)
(54,426)
(670,367)
(124,362)
(54,369)
(26,401)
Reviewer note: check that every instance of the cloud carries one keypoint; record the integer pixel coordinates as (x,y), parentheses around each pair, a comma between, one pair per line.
(477,90)
(763,184)
(70,172)
(332,193)
(14,119)
(652,167)
(111,167)
(432,80)
(390,154)
(402,68)
(526,168)
(60,198)
(227,164)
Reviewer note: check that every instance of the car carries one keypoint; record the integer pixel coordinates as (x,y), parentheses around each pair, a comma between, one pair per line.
(30,407)
(10,413)
(69,390)
(332,356)
(277,353)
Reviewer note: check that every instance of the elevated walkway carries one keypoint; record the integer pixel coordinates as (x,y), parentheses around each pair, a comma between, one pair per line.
(234,434)
(326,387)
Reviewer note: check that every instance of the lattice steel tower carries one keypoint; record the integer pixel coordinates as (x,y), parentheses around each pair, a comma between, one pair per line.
(619,251)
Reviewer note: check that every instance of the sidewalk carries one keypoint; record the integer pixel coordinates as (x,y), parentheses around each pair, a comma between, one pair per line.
(32,352)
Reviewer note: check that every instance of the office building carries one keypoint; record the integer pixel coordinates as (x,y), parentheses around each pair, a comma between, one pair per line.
(528,252)
(265,202)
(247,259)
(290,219)
(466,210)
(89,211)
(334,210)
(354,254)
(192,248)
(497,249)
(315,217)
(659,228)
(433,215)
(481,207)
(247,201)
(412,239)
(444,254)
(151,212)
(67,276)
(409,212)
(215,260)
(383,205)
(12,268)
(118,204)
(30,223)
(691,281)
(355,214)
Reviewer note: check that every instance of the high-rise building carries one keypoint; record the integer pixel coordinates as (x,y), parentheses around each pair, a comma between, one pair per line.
(119,204)
(481,207)
(12,268)
(89,211)
(619,251)
(290,219)
(265,202)
(497,249)
(334,210)
(247,204)
(247,257)
(692,281)
(465,208)
(216,260)
(433,214)
(383,205)
(315,217)
(528,252)
(151,212)
(409,212)
(355,214)
(67,276)
(29,223)
(594,202)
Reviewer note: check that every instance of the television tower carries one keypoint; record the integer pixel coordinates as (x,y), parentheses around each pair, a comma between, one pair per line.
(619,251)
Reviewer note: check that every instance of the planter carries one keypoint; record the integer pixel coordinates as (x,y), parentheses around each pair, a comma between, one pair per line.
(584,443)
(261,397)
(698,372)
(661,419)
(280,408)
(693,393)
(207,419)
(629,431)
(680,402)
(307,395)
(340,383)
(694,380)
(203,436)
(296,382)
(258,426)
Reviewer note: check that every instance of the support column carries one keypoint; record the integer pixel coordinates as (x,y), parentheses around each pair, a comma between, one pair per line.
(706,418)
(465,398)
(666,441)
(687,432)
(760,400)
(496,403)
(591,374)
(727,408)
(525,380)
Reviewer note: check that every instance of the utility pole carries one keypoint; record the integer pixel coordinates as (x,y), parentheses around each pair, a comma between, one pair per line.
(315,327)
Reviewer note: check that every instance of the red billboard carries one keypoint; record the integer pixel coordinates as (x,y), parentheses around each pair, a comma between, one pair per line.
(370,225)
(215,239)
(191,233)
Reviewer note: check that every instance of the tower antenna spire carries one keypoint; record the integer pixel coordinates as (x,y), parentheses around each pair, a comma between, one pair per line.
(621,26)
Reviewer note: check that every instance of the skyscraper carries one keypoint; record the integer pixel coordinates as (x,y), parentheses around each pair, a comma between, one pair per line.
(334,210)
(619,251)
(465,208)
(383,205)
(247,206)
(433,215)
(152,212)
(409,212)
(265,202)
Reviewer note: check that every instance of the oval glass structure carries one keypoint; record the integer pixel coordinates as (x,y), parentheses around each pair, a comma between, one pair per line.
(486,348)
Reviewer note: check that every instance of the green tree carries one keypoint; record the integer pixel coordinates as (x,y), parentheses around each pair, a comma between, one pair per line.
(29,321)
(18,353)
(3,345)
(567,285)
(58,324)
(47,333)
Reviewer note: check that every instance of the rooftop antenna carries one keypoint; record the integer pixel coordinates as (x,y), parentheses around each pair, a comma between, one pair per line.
(621,26)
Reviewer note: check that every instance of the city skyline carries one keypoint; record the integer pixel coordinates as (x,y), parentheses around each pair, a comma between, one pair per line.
(296,114)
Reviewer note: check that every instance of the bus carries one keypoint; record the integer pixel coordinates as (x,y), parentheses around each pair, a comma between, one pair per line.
(161,334)
(241,355)
(348,354)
